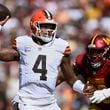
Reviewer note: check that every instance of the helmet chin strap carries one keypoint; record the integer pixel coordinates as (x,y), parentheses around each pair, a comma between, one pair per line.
(37,40)
(45,39)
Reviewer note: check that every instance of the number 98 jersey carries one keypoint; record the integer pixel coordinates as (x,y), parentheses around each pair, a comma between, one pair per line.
(39,65)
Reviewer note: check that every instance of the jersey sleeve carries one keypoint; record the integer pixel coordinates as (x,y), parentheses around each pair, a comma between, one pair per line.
(14,44)
(19,43)
(63,47)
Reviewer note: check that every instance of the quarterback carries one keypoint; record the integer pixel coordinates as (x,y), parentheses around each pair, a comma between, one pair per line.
(94,66)
(40,55)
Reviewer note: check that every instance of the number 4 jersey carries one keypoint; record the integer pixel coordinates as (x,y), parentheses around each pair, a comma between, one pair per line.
(39,65)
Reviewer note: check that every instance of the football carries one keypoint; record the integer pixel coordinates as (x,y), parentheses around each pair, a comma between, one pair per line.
(4,12)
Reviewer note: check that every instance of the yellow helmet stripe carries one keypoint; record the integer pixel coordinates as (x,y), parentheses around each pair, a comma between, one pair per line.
(107,40)
(92,42)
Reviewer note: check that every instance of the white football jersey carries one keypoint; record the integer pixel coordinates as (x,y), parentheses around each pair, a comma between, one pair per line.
(39,66)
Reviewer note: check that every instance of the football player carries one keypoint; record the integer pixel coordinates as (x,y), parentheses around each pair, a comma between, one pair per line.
(94,66)
(40,55)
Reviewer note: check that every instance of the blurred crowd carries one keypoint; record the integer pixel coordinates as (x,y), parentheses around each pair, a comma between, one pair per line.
(77,21)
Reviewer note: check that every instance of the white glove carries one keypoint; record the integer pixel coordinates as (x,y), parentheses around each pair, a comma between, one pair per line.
(100,95)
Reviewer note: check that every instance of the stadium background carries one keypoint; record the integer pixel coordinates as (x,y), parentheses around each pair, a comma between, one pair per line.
(77,19)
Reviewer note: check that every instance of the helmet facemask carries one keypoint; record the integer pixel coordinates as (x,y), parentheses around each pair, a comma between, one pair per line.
(96,57)
(98,50)
(45,31)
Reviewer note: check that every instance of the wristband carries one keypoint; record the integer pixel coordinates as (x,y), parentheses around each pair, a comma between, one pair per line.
(78,86)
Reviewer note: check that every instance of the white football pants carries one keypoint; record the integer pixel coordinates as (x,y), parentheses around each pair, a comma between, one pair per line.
(53,106)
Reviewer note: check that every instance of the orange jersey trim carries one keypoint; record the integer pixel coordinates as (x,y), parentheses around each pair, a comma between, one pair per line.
(14,44)
(67,51)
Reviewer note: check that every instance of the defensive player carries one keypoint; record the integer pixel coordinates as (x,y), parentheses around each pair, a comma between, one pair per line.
(40,56)
(94,66)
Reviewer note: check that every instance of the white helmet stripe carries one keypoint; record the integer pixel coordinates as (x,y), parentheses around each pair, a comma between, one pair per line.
(48,14)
